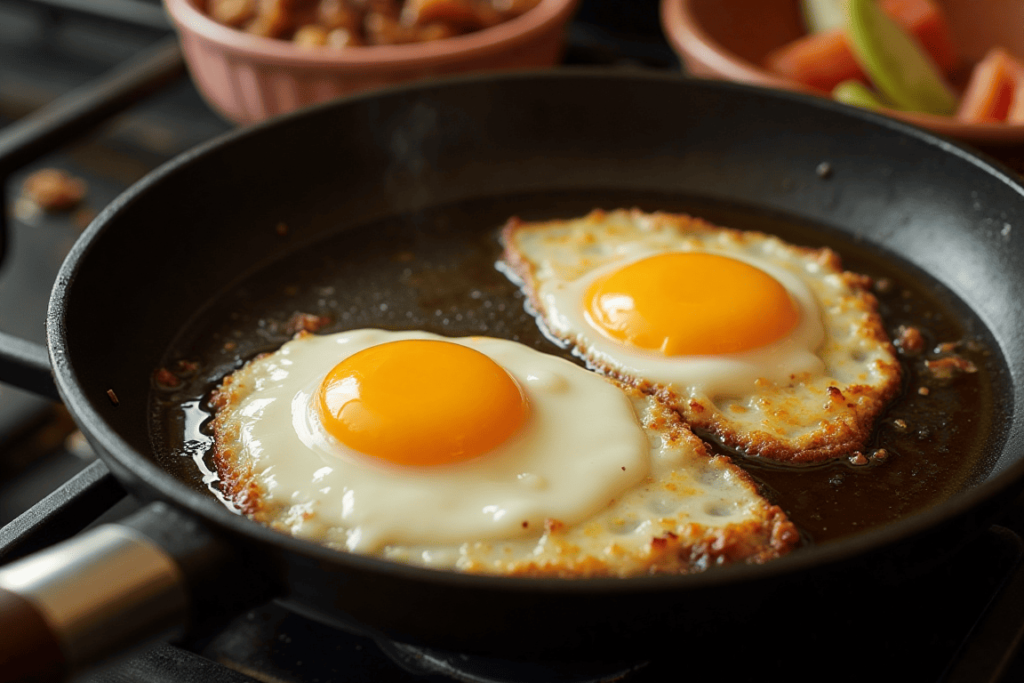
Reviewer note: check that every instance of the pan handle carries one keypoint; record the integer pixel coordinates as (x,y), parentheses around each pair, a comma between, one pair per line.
(26,365)
(112,589)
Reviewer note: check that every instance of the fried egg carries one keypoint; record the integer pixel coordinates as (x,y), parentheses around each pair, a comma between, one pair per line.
(771,347)
(478,454)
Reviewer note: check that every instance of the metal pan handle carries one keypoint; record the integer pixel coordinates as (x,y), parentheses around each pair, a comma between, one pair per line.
(78,602)
(115,588)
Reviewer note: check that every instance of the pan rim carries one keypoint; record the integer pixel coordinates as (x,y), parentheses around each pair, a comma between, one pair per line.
(112,446)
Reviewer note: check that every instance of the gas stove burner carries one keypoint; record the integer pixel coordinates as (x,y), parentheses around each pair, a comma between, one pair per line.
(477,669)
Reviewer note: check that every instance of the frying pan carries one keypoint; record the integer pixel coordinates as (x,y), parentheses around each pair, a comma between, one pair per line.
(212,250)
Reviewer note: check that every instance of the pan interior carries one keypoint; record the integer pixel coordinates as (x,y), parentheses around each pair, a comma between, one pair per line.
(434,270)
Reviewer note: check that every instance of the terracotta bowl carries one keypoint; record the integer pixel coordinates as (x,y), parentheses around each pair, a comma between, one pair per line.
(728,39)
(248,78)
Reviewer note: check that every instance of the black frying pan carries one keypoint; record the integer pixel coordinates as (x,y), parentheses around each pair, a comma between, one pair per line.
(206,258)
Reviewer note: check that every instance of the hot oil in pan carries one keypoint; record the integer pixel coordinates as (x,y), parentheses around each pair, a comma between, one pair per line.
(434,271)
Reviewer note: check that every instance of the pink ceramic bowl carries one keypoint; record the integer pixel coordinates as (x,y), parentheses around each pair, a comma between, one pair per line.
(248,78)
(728,39)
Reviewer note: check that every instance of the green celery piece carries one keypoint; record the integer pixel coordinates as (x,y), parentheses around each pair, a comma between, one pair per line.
(823,15)
(900,68)
(859,95)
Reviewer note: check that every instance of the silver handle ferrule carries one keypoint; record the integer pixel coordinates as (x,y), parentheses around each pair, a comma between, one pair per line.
(102,591)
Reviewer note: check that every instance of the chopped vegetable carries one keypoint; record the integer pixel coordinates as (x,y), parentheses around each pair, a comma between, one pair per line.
(896,54)
(926,21)
(1016,113)
(823,60)
(994,88)
(859,95)
(896,63)
(823,15)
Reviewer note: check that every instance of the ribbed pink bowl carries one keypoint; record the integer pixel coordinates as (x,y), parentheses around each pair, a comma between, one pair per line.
(249,78)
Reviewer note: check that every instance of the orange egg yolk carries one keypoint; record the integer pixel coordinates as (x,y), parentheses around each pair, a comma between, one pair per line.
(685,304)
(420,402)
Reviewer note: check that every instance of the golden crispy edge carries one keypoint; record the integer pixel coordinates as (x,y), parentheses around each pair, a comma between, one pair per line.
(237,482)
(837,438)
(770,535)
(697,548)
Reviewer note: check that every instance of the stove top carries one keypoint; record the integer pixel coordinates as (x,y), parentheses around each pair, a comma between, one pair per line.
(97,89)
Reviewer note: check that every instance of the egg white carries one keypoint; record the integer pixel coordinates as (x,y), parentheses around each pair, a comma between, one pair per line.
(580,447)
(732,374)
(603,480)
(811,396)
